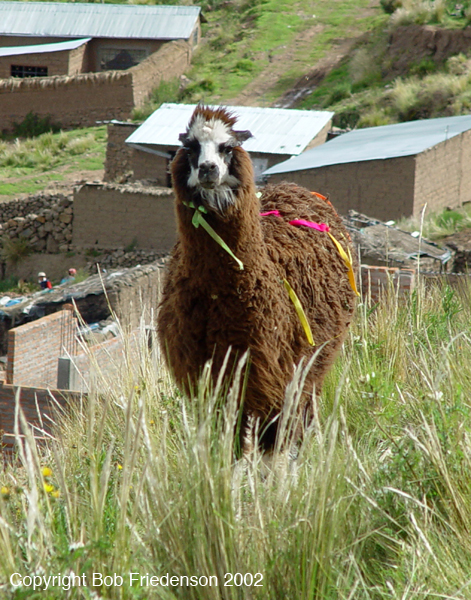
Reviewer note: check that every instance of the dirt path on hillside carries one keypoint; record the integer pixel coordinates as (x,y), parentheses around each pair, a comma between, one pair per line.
(255,93)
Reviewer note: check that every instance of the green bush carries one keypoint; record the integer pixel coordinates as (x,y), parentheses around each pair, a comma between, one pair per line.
(33,125)
(389,6)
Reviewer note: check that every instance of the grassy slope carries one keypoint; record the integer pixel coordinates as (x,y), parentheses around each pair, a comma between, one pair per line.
(377,505)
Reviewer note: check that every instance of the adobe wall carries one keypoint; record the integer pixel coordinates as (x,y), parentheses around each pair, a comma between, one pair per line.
(31,400)
(57,63)
(443,175)
(382,189)
(112,216)
(73,102)
(169,62)
(34,348)
(118,154)
(98,44)
(151,167)
(82,100)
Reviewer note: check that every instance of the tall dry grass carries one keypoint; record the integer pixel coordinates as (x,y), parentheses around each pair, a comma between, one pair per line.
(375,504)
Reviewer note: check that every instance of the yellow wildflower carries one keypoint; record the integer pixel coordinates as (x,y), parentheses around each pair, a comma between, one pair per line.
(47,472)
(48,488)
(5,491)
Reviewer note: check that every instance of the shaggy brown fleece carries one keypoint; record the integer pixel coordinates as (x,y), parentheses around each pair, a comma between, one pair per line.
(209,305)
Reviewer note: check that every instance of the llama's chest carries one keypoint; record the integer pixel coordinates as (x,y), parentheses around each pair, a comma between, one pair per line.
(221,314)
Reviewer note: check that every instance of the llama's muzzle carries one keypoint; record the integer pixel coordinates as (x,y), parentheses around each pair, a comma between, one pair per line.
(208,174)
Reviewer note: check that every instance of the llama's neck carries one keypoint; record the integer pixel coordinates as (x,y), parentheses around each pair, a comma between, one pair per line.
(240,229)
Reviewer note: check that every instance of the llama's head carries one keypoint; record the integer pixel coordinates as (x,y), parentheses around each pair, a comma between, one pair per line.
(209,144)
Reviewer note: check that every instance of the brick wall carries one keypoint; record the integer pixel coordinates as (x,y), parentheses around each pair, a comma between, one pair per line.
(100,364)
(72,101)
(377,281)
(118,154)
(34,348)
(383,189)
(31,401)
(57,63)
(111,216)
(443,174)
(82,100)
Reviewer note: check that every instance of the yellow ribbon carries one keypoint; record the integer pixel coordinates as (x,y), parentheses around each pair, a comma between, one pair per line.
(301,314)
(348,261)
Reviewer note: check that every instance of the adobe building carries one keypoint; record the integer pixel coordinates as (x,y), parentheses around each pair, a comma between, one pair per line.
(278,134)
(41,39)
(389,172)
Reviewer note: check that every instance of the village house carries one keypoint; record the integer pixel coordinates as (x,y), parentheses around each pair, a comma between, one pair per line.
(277,133)
(40,39)
(82,63)
(391,171)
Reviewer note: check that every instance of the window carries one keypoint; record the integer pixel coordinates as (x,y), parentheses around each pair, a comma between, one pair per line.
(119,59)
(22,71)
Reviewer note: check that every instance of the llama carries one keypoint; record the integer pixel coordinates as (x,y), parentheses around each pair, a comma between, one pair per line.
(234,282)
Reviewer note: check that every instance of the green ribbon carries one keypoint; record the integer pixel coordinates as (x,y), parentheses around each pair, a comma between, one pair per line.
(198,220)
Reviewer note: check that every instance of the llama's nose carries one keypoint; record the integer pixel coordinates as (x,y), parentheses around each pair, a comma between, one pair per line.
(208,172)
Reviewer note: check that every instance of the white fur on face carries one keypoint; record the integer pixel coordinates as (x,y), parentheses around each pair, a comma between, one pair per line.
(210,134)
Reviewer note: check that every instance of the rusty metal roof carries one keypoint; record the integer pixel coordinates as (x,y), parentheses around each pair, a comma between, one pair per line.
(43,48)
(275,130)
(61,19)
(377,143)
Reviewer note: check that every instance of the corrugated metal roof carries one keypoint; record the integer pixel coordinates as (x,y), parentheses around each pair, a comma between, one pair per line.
(275,130)
(60,19)
(377,143)
(43,48)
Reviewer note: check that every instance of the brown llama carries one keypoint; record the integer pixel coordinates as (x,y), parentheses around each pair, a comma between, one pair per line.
(232,290)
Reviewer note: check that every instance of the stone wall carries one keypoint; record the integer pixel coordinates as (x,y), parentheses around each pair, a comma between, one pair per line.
(44,220)
(82,100)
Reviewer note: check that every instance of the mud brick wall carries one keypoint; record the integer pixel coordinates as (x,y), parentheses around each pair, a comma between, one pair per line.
(81,100)
(30,400)
(73,102)
(118,154)
(377,281)
(34,348)
(383,189)
(169,62)
(99,365)
(443,174)
(110,216)
(64,62)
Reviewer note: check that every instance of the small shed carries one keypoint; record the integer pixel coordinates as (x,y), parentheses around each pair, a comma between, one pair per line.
(391,171)
(120,36)
(278,134)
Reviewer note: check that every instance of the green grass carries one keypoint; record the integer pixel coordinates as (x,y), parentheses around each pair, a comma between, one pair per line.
(441,224)
(377,504)
(29,165)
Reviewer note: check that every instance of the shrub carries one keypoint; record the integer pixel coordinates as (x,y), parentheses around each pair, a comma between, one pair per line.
(390,6)
(33,125)
(14,251)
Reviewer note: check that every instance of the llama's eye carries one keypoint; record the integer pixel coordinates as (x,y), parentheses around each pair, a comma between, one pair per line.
(225,149)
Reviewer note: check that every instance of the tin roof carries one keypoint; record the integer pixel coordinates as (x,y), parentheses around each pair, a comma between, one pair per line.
(377,143)
(275,130)
(61,19)
(43,48)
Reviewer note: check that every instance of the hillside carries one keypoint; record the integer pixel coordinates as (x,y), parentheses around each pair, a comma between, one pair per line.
(350,56)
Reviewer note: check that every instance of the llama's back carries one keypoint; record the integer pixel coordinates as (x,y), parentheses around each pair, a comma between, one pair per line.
(311,263)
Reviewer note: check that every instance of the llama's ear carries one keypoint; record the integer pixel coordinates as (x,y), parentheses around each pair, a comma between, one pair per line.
(242,136)
(183,137)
